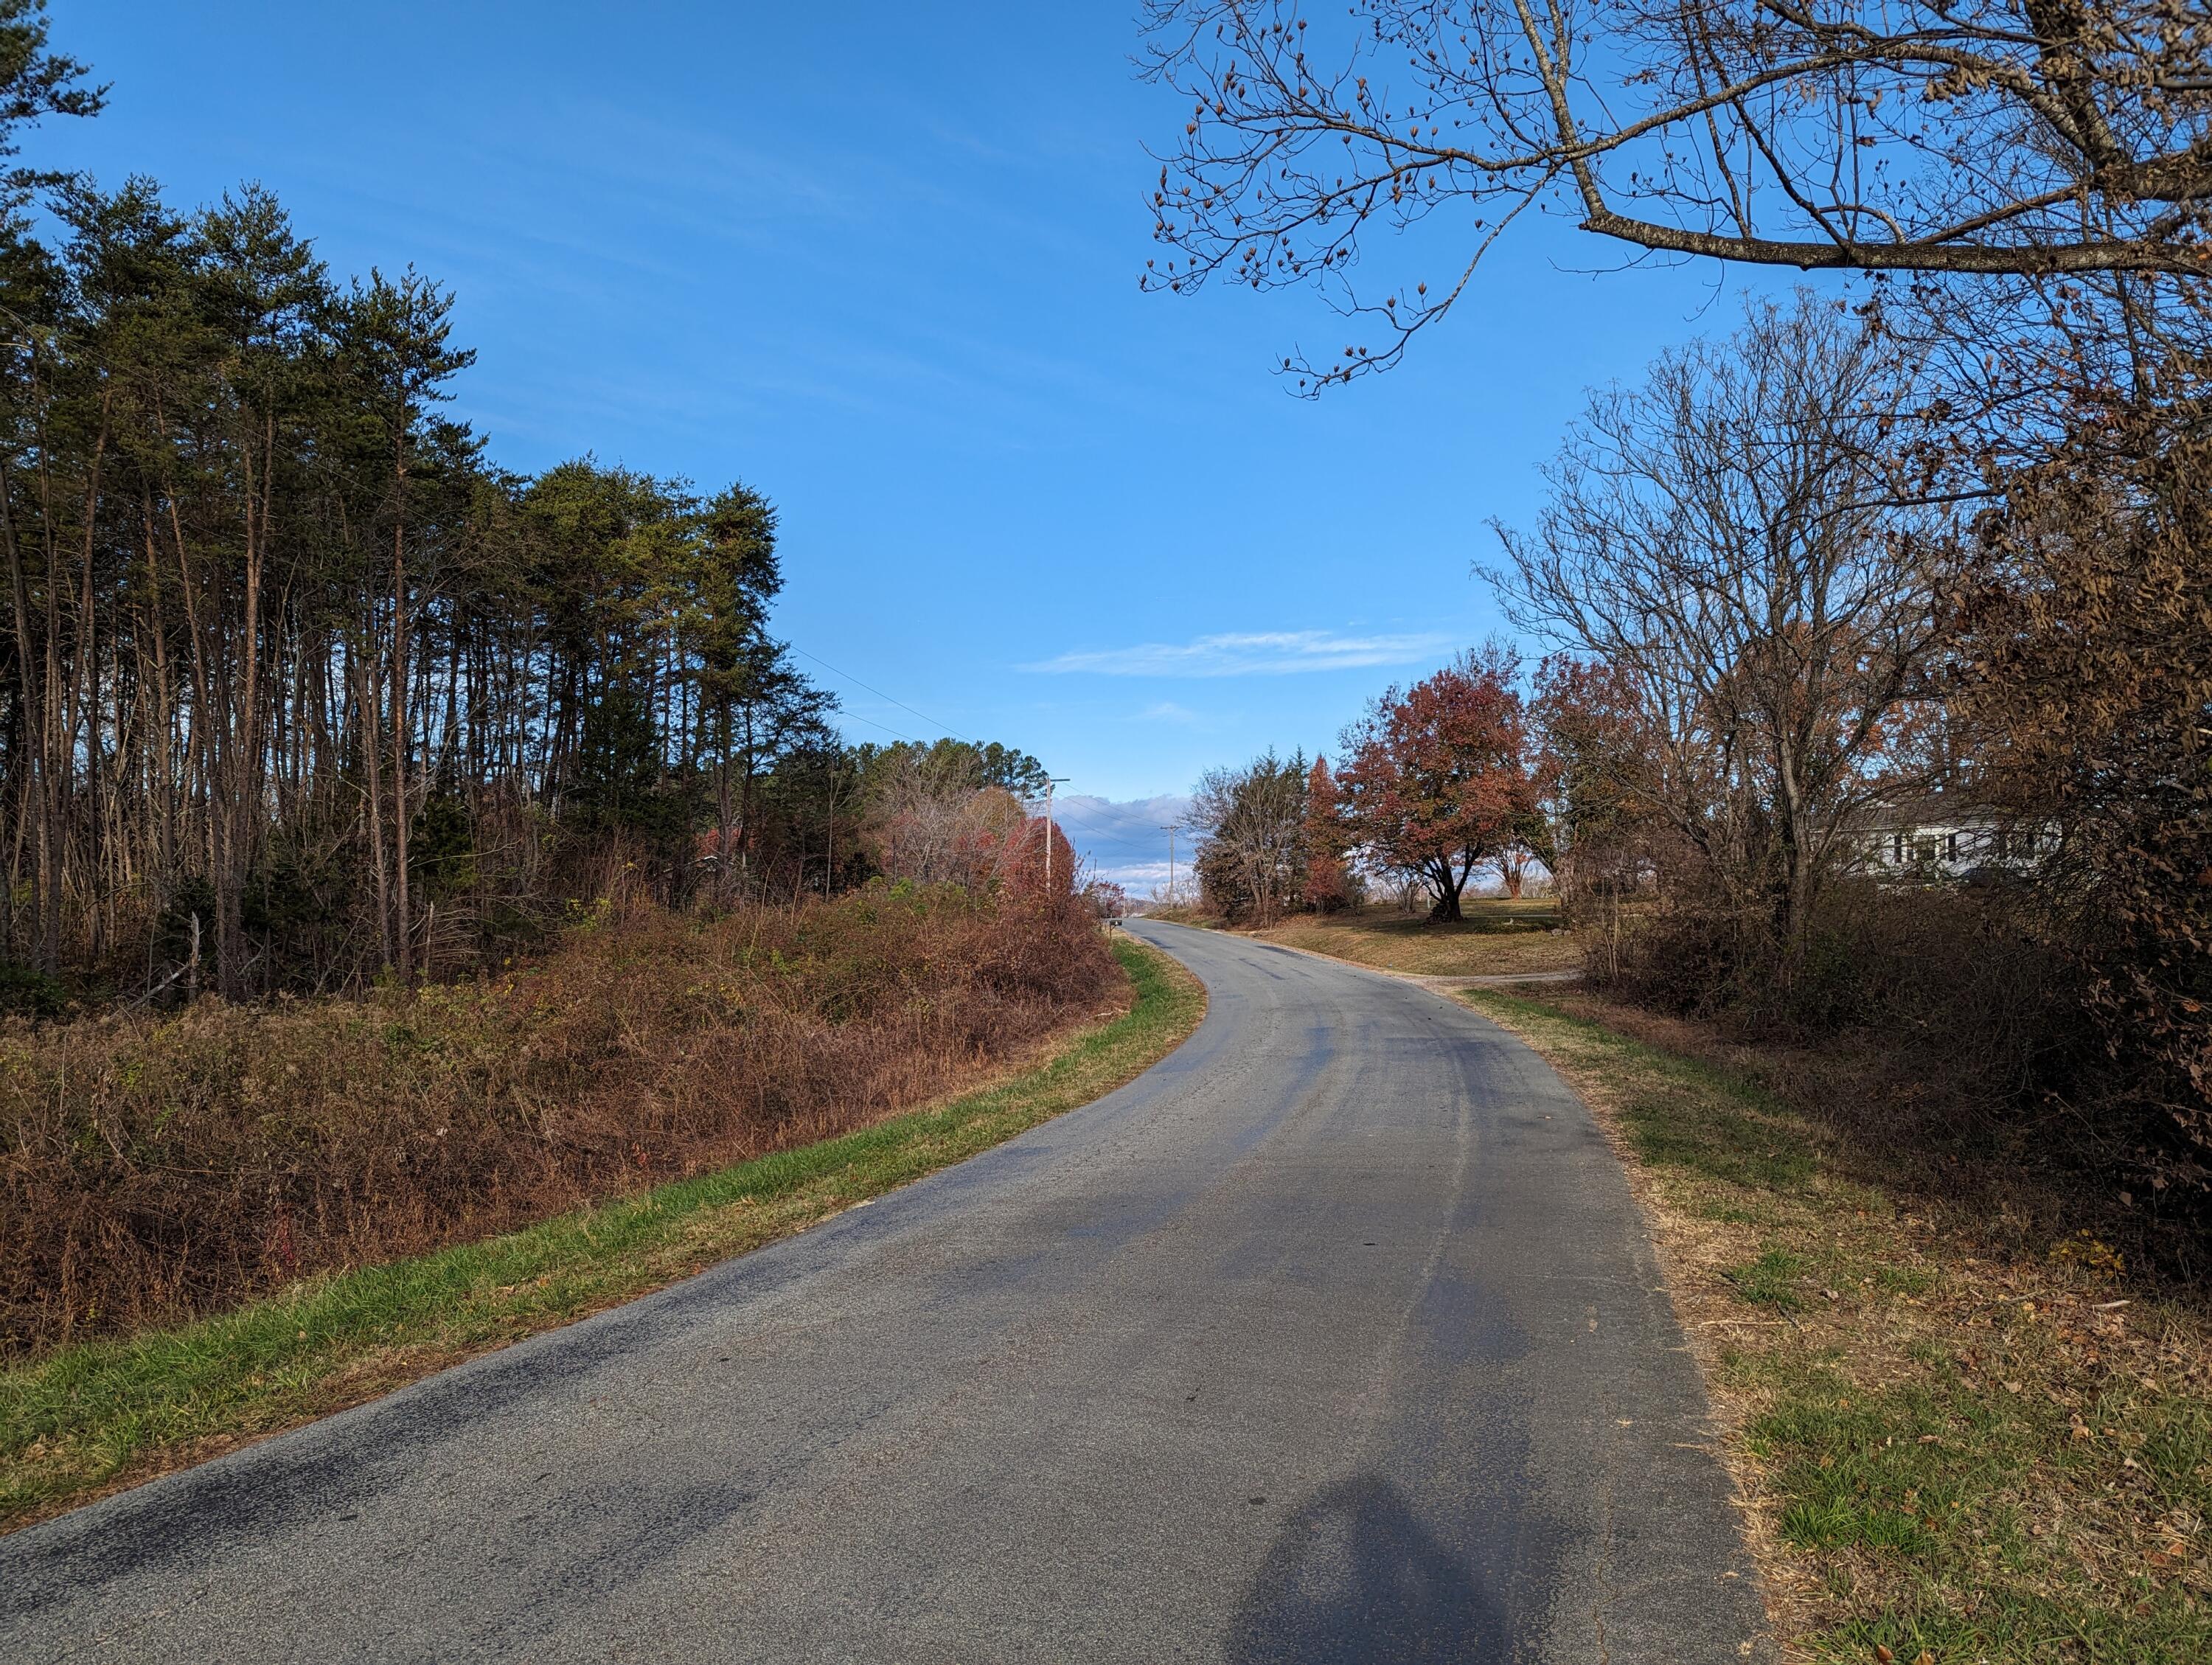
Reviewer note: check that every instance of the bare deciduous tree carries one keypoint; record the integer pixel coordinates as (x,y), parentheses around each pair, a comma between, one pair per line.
(1973,137)
(922,820)
(1728,537)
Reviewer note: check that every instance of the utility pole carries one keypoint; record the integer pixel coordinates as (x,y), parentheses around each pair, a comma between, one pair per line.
(1170,832)
(1050,781)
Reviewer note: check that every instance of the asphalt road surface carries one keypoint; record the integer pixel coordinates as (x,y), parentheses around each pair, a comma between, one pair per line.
(1336,1337)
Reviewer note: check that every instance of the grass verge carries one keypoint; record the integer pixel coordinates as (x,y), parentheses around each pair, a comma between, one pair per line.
(1952,1448)
(1497,937)
(95,1417)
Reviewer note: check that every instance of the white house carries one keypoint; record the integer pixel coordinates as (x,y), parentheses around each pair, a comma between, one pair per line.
(1938,835)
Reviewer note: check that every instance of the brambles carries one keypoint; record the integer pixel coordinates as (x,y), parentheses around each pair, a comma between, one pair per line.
(88,1417)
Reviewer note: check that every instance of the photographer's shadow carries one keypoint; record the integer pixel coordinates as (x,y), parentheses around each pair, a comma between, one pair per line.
(1353,1577)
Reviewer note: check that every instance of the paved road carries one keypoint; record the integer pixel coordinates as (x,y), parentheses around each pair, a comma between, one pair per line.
(1333,1338)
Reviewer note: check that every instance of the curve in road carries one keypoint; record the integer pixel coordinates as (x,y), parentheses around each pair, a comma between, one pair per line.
(1335,1336)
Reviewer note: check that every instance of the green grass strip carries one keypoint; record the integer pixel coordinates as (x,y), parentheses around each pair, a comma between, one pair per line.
(88,1418)
(1678,1112)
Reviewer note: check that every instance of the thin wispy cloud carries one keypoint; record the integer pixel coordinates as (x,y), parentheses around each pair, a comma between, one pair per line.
(1248,654)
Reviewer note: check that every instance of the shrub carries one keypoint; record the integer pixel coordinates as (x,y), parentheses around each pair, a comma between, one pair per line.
(1975,1021)
(158,1167)
(1949,1025)
(32,993)
(2087,659)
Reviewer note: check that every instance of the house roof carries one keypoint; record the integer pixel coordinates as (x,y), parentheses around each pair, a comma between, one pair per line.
(1926,809)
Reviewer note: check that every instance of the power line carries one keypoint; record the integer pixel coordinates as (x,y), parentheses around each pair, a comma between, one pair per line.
(900,732)
(880,695)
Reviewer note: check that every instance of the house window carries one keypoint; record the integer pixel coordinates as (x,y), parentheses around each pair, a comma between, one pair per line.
(1897,849)
(1951,848)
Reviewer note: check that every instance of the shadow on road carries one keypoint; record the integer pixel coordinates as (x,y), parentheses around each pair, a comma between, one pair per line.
(1353,1577)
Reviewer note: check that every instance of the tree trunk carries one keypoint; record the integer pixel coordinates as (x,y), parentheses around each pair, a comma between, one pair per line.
(366,724)
(402,935)
(32,810)
(1448,879)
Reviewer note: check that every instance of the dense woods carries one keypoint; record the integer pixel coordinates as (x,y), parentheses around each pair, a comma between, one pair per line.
(298,683)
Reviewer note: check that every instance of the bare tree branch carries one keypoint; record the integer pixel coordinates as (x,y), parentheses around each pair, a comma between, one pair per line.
(1983,138)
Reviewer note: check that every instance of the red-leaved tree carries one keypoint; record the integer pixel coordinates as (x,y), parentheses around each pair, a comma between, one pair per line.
(1328,887)
(1436,780)
(1024,869)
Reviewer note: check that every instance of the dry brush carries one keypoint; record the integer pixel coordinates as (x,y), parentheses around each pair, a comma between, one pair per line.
(156,1167)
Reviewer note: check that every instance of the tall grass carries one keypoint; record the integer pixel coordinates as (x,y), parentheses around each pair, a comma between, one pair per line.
(156,1168)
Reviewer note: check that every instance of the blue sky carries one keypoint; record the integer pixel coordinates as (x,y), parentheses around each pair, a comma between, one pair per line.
(880,262)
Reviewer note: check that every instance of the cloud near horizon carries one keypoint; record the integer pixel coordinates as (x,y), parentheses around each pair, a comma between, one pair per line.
(1124,841)
(1245,653)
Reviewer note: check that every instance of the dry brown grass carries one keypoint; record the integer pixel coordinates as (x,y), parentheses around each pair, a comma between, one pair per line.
(1497,939)
(1954,1441)
(157,1168)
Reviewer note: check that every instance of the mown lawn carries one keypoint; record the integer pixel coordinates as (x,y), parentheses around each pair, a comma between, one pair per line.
(1496,939)
(1953,1452)
(92,1418)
